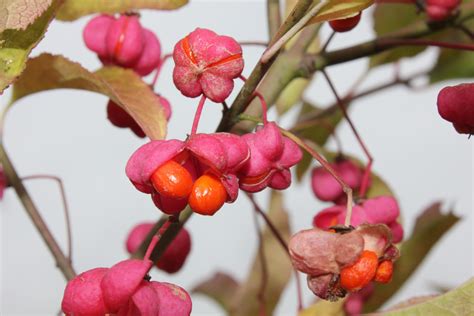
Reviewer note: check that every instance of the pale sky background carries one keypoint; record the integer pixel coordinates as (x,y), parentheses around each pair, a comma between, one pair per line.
(66,133)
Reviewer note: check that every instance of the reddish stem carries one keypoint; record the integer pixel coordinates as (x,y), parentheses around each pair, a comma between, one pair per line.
(158,69)
(151,246)
(282,242)
(65,207)
(262,102)
(327,166)
(423,42)
(197,116)
(365,178)
(263,262)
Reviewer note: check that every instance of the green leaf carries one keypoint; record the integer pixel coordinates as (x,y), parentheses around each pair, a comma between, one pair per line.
(221,287)
(389,18)
(123,86)
(325,308)
(74,9)
(453,64)
(19,35)
(458,302)
(340,9)
(278,266)
(430,226)
(378,187)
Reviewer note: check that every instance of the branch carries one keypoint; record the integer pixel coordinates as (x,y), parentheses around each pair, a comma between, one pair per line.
(263,262)
(245,95)
(283,244)
(61,260)
(62,192)
(314,62)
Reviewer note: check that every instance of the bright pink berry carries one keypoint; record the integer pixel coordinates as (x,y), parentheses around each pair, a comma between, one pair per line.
(175,255)
(456,105)
(207,63)
(150,57)
(448,4)
(95,34)
(174,300)
(125,41)
(439,10)
(271,156)
(83,294)
(121,281)
(437,13)
(326,188)
(145,301)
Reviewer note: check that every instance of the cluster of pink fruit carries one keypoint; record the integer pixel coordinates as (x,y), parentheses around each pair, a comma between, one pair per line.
(376,219)
(343,259)
(379,210)
(124,42)
(206,170)
(124,289)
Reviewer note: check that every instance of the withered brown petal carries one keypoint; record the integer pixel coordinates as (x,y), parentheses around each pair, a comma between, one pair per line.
(348,248)
(312,251)
(326,287)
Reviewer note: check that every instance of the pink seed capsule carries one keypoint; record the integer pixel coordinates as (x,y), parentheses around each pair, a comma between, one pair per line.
(175,301)
(83,294)
(95,34)
(121,281)
(175,255)
(325,186)
(456,105)
(125,41)
(206,63)
(150,58)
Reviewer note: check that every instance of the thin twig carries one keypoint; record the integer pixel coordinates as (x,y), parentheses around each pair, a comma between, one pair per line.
(365,179)
(61,260)
(159,68)
(62,191)
(263,263)
(282,242)
(253,43)
(328,41)
(326,165)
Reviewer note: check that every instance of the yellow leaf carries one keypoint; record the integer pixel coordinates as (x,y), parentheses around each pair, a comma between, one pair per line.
(339,9)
